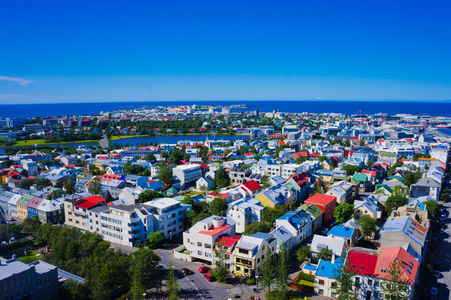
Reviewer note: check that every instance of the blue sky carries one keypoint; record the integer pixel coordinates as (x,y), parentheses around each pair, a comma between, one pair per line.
(91,51)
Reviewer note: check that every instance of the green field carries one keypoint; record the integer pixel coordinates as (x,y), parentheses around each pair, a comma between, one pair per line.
(31,256)
(42,142)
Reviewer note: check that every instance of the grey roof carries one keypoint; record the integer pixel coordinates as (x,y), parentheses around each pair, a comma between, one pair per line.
(10,267)
(426,181)
(282,234)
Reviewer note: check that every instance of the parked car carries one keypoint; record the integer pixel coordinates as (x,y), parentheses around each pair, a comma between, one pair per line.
(437,273)
(203,269)
(160,268)
(186,271)
(324,231)
(434,291)
(209,277)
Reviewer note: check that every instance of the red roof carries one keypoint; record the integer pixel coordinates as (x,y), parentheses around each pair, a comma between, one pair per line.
(85,204)
(229,241)
(94,199)
(252,185)
(320,199)
(362,263)
(215,231)
(220,195)
(373,173)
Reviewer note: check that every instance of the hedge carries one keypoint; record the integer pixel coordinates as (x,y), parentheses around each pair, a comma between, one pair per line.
(307,277)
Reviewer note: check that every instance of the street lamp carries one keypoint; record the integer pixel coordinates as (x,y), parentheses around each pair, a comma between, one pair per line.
(256,279)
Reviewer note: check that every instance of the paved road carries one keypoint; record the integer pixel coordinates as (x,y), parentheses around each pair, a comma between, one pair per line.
(195,286)
(444,256)
(104,140)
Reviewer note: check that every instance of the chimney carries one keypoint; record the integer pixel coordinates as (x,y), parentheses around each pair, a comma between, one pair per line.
(333,258)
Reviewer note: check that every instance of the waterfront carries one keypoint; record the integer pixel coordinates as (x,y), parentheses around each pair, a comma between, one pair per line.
(315,106)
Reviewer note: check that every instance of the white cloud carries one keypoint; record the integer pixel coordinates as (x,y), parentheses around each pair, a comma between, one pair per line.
(319,98)
(21,81)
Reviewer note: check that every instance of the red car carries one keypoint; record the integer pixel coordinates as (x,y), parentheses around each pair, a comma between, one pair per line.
(209,277)
(203,269)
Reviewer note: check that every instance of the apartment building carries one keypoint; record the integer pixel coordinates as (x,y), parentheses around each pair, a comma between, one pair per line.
(244,211)
(168,215)
(76,209)
(188,174)
(200,239)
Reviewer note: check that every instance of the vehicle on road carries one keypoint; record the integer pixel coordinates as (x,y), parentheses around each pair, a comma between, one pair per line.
(203,269)
(437,273)
(324,231)
(442,231)
(160,268)
(186,271)
(209,277)
(434,291)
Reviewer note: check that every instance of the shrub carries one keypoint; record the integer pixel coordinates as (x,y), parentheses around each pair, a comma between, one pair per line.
(306,276)
(250,281)
(271,295)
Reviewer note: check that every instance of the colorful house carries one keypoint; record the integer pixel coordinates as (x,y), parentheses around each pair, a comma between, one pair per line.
(326,203)
(22,211)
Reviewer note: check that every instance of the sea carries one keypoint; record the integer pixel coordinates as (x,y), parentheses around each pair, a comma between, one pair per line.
(318,106)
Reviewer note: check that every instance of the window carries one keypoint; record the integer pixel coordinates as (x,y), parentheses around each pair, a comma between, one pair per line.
(208,246)
(243,251)
(321,292)
(321,282)
(357,280)
(199,244)
(370,282)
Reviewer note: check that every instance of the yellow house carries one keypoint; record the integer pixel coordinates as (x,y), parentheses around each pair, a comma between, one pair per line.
(367,207)
(22,206)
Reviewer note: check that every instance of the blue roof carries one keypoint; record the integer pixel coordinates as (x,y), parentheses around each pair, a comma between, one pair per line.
(261,235)
(340,230)
(327,269)
(310,267)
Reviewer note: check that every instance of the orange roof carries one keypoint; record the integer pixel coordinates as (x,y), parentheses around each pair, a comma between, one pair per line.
(428,159)
(215,231)
(389,254)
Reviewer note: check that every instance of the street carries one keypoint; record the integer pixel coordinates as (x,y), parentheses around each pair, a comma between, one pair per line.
(444,257)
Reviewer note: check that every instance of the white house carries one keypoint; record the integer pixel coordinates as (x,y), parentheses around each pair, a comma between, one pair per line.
(188,174)
(245,211)
(200,239)
(299,226)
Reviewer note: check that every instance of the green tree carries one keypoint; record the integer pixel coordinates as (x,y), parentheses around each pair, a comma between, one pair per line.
(322,158)
(143,267)
(150,156)
(324,254)
(270,214)
(26,184)
(221,272)
(95,187)
(395,286)
(343,212)
(333,163)
(148,195)
(351,169)
(255,227)
(171,283)
(267,275)
(31,224)
(303,253)
(408,178)
(367,225)
(370,163)
(346,143)
(221,178)
(265,182)
(445,195)
(344,286)
(218,207)
(282,273)
(395,201)
(155,239)
(432,207)
(165,174)
(69,186)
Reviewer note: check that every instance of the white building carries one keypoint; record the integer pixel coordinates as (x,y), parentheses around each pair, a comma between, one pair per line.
(30,166)
(200,239)
(188,174)
(290,169)
(244,211)
(299,226)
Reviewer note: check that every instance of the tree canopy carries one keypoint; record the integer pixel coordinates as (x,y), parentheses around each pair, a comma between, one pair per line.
(343,212)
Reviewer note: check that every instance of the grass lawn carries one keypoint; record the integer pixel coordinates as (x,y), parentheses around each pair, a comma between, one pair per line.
(31,256)
(306,283)
(42,142)
(120,137)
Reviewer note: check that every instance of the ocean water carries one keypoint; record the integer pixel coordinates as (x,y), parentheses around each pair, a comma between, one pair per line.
(345,107)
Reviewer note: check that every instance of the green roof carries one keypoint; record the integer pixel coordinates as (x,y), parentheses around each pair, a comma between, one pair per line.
(360,177)
(312,209)
(379,186)
(25,199)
